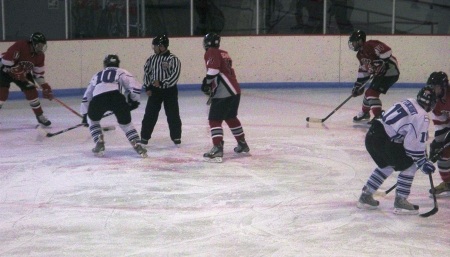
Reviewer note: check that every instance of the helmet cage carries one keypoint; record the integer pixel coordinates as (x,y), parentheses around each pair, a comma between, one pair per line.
(39,42)
(439,79)
(356,36)
(427,98)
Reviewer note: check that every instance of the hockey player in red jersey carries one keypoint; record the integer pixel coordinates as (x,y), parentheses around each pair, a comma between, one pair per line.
(375,59)
(221,85)
(441,120)
(397,142)
(22,64)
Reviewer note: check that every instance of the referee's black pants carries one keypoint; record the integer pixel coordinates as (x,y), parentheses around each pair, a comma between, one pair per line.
(169,98)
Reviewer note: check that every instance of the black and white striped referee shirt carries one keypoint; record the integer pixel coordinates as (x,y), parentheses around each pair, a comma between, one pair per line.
(165,68)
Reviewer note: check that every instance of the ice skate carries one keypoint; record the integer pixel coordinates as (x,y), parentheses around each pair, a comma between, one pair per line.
(215,154)
(177,141)
(403,207)
(242,147)
(43,120)
(441,190)
(139,148)
(361,116)
(366,201)
(99,148)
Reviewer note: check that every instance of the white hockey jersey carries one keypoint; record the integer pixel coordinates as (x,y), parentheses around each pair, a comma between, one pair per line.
(111,79)
(407,122)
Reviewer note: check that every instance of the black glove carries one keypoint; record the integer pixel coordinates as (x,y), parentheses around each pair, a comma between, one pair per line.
(206,88)
(434,149)
(84,120)
(133,105)
(358,89)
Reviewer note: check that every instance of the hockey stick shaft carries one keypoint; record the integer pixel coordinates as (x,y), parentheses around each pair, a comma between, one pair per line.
(68,107)
(432,159)
(435,208)
(59,101)
(316,120)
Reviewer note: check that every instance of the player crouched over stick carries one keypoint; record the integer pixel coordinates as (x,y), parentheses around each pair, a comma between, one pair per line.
(397,142)
(224,92)
(106,92)
(441,119)
(22,64)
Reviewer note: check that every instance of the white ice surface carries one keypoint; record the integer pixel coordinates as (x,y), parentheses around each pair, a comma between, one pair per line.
(294,195)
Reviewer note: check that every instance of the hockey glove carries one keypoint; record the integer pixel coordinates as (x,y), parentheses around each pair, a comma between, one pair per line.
(378,68)
(358,89)
(427,167)
(84,120)
(133,105)
(206,88)
(18,73)
(47,92)
(435,147)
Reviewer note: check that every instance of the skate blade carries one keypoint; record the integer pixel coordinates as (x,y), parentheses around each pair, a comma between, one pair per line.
(100,154)
(441,195)
(365,206)
(143,155)
(400,211)
(213,160)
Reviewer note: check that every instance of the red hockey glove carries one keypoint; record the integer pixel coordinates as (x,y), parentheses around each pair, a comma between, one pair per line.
(47,91)
(18,73)
(358,89)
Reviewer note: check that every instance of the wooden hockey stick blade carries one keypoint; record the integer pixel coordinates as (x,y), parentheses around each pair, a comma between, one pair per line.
(314,120)
(430,213)
(435,209)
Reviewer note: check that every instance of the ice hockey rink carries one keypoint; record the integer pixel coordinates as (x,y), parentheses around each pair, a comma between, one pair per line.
(295,194)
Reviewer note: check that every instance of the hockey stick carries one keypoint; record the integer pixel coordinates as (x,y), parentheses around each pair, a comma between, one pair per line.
(435,208)
(432,159)
(68,107)
(59,101)
(49,134)
(317,120)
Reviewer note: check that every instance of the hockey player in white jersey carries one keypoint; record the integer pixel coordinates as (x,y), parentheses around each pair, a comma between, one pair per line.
(397,142)
(112,89)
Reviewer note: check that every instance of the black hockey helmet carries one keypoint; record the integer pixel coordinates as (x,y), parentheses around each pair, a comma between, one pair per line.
(355,37)
(38,41)
(427,98)
(438,80)
(211,40)
(111,60)
(161,40)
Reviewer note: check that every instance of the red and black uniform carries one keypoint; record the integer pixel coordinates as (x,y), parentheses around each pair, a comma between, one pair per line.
(441,121)
(369,55)
(22,65)
(225,94)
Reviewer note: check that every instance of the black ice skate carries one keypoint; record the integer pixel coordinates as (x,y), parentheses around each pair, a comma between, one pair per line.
(242,147)
(403,207)
(361,116)
(215,154)
(139,148)
(366,200)
(43,120)
(99,148)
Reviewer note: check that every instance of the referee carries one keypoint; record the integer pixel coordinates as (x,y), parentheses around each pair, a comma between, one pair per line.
(161,73)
